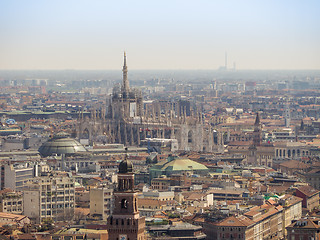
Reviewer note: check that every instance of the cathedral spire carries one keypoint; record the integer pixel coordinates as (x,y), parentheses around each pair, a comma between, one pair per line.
(125,84)
(257,122)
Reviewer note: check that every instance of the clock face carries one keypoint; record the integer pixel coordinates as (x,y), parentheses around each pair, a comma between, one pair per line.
(122,237)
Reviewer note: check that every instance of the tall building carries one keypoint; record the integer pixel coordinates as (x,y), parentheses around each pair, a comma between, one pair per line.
(50,197)
(125,222)
(101,202)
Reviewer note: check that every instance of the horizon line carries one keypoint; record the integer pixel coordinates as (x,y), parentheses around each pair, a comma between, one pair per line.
(169,69)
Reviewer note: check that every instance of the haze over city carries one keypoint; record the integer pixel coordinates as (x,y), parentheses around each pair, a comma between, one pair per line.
(159,34)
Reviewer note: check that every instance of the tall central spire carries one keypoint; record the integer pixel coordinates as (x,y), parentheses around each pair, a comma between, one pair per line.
(125,83)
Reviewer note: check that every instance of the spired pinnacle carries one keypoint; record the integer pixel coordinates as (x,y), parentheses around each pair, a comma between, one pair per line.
(125,83)
(257,122)
(125,59)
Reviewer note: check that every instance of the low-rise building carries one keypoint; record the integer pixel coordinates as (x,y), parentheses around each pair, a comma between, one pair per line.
(305,228)
(312,177)
(162,196)
(268,221)
(160,184)
(176,232)
(13,219)
(150,207)
(260,222)
(14,176)
(11,201)
(233,227)
(309,195)
(81,233)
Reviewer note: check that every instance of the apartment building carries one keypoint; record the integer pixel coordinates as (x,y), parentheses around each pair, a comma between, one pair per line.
(11,201)
(15,175)
(292,210)
(50,197)
(101,201)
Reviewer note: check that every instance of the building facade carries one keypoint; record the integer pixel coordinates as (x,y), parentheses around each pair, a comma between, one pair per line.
(50,198)
(15,175)
(11,201)
(101,202)
(310,197)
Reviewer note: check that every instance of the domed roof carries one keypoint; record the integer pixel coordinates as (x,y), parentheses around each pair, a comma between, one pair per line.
(180,164)
(125,166)
(61,143)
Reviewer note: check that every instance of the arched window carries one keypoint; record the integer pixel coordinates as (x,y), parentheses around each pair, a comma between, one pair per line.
(85,134)
(124,203)
(190,137)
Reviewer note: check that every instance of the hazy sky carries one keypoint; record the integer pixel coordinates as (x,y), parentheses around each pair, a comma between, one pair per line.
(92,34)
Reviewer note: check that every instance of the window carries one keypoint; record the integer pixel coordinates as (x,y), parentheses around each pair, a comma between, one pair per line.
(124,203)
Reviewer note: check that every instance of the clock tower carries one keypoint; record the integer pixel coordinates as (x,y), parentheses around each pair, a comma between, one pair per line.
(126,223)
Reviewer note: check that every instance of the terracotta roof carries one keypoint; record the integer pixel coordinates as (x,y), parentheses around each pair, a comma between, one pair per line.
(12,216)
(291,200)
(305,223)
(261,212)
(294,164)
(314,171)
(151,203)
(236,221)
(308,190)
(84,211)
(6,190)
(195,196)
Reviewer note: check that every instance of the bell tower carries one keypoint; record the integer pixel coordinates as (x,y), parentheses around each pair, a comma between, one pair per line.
(126,223)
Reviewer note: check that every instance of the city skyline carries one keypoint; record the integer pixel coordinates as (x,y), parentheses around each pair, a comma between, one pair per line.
(81,35)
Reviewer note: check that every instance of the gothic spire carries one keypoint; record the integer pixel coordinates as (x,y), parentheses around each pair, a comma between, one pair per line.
(125,84)
(257,122)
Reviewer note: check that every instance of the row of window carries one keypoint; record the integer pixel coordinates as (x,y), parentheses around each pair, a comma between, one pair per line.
(12,203)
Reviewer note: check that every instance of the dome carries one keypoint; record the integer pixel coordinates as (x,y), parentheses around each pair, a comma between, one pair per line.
(183,164)
(177,166)
(61,143)
(125,166)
